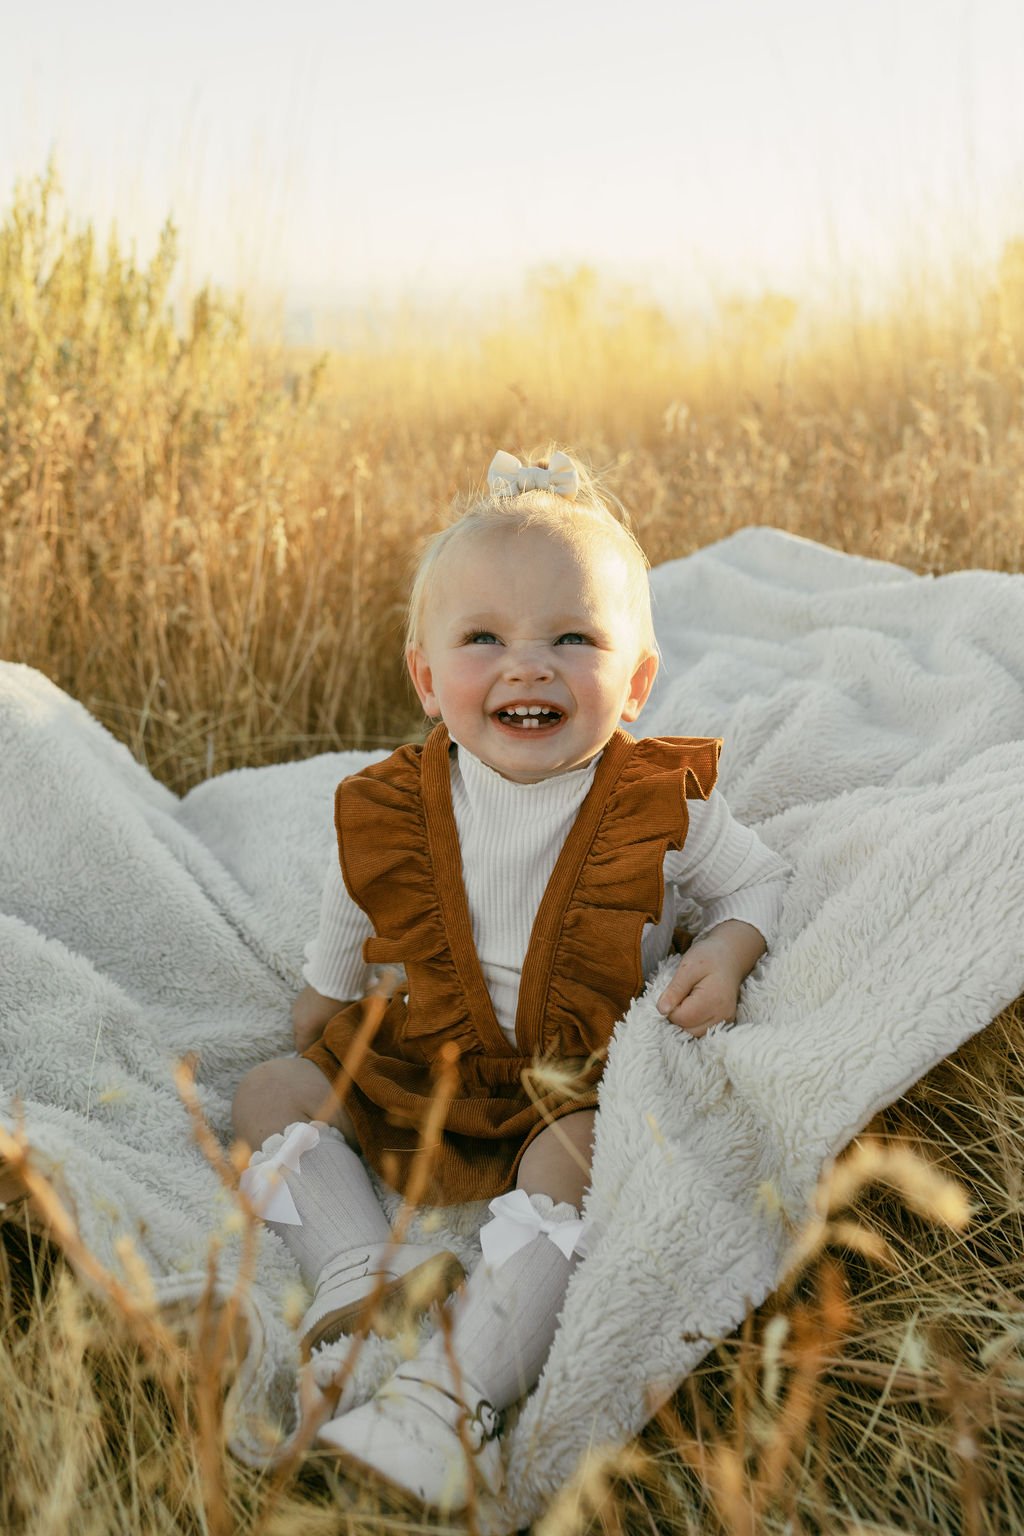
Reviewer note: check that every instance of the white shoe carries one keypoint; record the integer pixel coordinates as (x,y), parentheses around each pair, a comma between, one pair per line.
(408,1437)
(415,1277)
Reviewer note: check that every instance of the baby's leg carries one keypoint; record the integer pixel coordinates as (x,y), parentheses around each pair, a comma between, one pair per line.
(280,1092)
(312,1190)
(557,1162)
(417,1430)
(506,1319)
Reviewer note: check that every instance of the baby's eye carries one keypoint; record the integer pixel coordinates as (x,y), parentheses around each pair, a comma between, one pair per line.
(572,638)
(481,637)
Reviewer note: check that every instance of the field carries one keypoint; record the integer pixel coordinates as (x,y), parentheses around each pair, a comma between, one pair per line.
(206,539)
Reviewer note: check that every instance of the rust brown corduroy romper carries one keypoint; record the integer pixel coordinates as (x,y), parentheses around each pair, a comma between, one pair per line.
(401,862)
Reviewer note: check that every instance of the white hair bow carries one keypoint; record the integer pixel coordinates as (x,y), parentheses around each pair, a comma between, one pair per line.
(506,476)
(517,1222)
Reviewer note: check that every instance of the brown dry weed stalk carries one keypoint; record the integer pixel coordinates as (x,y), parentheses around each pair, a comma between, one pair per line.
(206,540)
(189,1359)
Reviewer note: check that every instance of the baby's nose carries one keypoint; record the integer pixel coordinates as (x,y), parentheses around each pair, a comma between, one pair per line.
(527,665)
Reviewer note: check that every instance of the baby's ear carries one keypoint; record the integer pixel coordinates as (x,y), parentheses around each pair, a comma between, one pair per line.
(640,685)
(422,680)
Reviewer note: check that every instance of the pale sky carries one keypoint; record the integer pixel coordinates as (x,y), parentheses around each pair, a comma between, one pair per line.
(321,150)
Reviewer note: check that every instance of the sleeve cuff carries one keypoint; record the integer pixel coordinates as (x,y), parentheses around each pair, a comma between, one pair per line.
(759,905)
(342,988)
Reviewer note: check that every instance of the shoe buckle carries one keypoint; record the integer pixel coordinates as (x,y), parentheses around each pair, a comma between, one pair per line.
(483,1424)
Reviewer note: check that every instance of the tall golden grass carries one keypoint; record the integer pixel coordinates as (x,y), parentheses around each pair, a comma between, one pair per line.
(206,541)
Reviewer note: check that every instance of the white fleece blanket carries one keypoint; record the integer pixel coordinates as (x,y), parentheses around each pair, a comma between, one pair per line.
(873,724)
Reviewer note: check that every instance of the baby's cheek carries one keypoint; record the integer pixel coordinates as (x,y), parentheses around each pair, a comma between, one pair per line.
(597,678)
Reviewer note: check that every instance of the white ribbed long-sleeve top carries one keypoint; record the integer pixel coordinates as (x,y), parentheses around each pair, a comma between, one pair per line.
(510,836)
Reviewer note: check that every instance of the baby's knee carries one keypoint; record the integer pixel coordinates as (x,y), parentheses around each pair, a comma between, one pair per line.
(557,1161)
(268,1090)
(277,1093)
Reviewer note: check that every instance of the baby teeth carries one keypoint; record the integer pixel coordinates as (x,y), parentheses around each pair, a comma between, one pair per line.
(528,715)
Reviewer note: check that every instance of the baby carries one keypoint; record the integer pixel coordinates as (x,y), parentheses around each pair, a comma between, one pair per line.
(523,867)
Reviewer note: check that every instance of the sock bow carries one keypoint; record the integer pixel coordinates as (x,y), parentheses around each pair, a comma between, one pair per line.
(516,1221)
(263,1182)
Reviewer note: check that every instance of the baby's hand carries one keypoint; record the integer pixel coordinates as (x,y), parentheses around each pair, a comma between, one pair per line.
(311,1012)
(706,986)
(700,994)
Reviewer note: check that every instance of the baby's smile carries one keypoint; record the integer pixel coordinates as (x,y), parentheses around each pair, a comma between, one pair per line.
(528,717)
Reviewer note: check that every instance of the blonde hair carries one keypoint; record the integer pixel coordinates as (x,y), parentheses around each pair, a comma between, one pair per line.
(579,523)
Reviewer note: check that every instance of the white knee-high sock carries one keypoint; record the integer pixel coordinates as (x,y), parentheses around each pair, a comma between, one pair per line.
(504,1318)
(314,1192)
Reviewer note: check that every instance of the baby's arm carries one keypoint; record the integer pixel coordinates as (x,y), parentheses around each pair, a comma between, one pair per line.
(740,883)
(335,970)
(311,1013)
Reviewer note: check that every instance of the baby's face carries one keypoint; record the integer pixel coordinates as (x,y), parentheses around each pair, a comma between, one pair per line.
(529,652)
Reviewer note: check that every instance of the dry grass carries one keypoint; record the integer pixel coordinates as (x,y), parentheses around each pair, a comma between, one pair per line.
(206,542)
